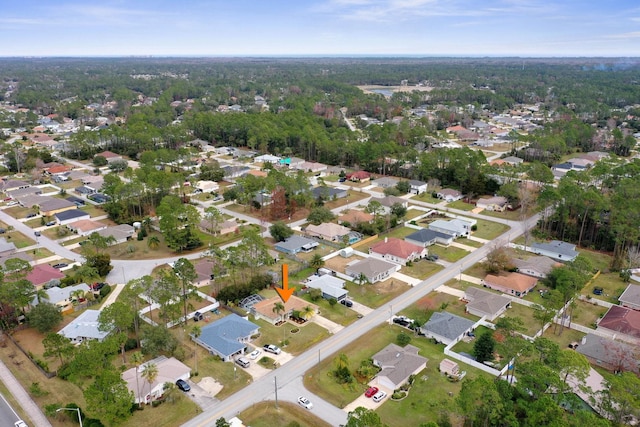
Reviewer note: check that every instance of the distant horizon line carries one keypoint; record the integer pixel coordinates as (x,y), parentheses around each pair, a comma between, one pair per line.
(294,56)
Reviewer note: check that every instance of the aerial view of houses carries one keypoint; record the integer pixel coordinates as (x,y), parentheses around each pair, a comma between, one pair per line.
(288,242)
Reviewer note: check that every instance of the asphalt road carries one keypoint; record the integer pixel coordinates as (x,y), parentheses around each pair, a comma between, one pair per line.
(289,376)
(7,415)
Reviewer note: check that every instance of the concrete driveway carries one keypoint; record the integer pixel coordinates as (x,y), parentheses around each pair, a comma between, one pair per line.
(200,396)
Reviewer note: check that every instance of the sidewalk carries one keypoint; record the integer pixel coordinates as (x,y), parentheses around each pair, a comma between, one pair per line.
(330,326)
(25,401)
(111,298)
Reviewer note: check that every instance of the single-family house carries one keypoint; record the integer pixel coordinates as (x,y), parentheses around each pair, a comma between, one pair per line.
(266,158)
(23,192)
(169,370)
(510,283)
(389,201)
(496,203)
(386,182)
(630,298)
(207,186)
(121,233)
(397,364)
(85,227)
(513,160)
(354,217)
(76,200)
(328,231)
(610,354)
(326,193)
(54,206)
(295,244)
(72,215)
(204,271)
(84,327)
(483,303)
(63,297)
(556,249)
(374,269)
(359,176)
(13,184)
(226,227)
(398,251)
(233,172)
(110,156)
(417,187)
(313,167)
(446,327)
(227,337)
(449,195)
(425,237)
(291,162)
(535,266)
(330,286)
(455,227)
(621,320)
(42,274)
(265,309)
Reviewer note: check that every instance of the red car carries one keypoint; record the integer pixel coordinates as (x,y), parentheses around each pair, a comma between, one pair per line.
(371,391)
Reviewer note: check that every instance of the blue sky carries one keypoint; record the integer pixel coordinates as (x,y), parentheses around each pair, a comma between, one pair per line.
(320,27)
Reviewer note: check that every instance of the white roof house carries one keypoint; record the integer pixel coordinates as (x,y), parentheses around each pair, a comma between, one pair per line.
(331,287)
(456,227)
(170,370)
(84,327)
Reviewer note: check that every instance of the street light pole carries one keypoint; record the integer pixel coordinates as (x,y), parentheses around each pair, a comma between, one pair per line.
(72,409)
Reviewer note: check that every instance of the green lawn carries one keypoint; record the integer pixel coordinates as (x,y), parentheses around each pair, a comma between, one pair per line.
(586,314)
(427,198)
(412,213)
(430,392)
(265,414)
(337,313)
(463,285)
(565,338)
(469,242)
(512,215)
(307,336)
(377,294)
(450,253)
(19,239)
(436,301)
(224,372)
(461,205)
(599,260)
(612,286)
(422,269)
(526,315)
(489,230)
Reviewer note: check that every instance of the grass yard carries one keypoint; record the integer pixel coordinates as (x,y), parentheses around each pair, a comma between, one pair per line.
(586,314)
(309,334)
(422,269)
(526,315)
(450,253)
(461,205)
(265,414)
(427,198)
(431,391)
(489,230)
(437,301)
(412,213)
(337,313)
(567,337)
(469,242)
(19,239)
(463,285)
(511,215)
(398,233)
(611,284)
(466,346)
(375,295)
(94,211)
(600,260)
(476,270)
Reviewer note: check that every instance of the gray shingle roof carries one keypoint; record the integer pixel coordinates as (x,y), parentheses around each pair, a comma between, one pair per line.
(425,235)
(398,363)
(558,247)
(71,214)
(631,295)
(294,243)
(447,325)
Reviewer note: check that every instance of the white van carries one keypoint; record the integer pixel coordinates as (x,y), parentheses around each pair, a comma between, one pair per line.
(243,361)
(379,396)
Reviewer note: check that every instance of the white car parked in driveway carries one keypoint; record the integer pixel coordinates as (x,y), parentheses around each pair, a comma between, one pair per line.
(254,354)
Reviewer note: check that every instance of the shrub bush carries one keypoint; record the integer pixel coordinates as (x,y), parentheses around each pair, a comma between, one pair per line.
(130,344)
(105,291)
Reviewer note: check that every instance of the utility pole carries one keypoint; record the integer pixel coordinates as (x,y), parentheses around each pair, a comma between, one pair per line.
(275,382)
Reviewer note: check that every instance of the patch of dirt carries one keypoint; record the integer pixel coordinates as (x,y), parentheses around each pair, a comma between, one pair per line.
(428,303)
(339,263)
(210,385)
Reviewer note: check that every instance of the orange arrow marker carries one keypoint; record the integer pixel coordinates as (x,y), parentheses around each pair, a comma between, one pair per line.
(285,292)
